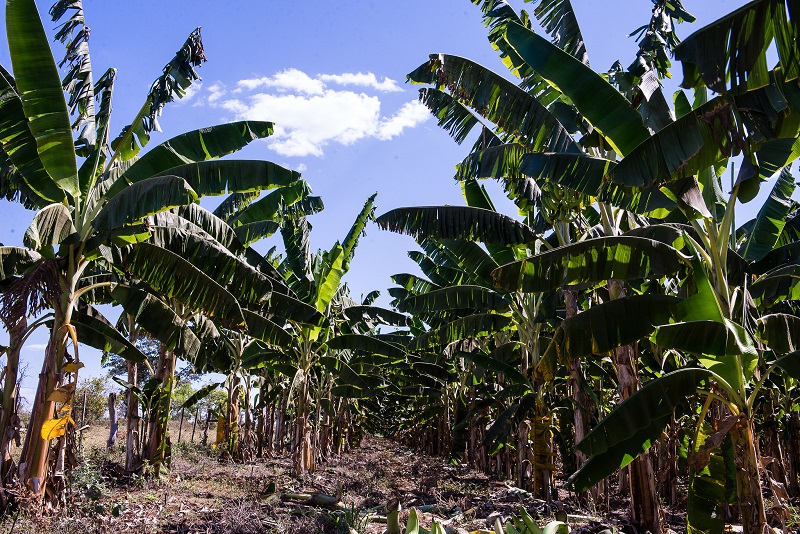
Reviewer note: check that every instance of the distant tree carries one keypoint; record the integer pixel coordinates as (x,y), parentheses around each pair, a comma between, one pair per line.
(96,390)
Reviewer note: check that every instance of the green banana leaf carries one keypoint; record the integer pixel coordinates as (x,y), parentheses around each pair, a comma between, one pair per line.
(358,229)
(199,395)
(773,155)
(723,347)
(578,172)
(296,234)
(510,373)
(144,198)
(438,372)
(473,259)
(176,277)
(20,145)
(16,261)
(522,193)
(783,256)
(39,87)
(496,14)
(78,81)
(705,503)
(455,298)
(676,151)
(593,260)
(219,177)
(97,332)
(292,309)
(780,332)
(368,344)
(414,284)
(271,205)
(731,52)
(771,218)
(657,399)
(558,19)
(376,315)
(201,145)
(92,167)
(235,202)
(500,101)
(509,420)
(618,455)
(479,325)
(200,218)
(439,275)
(251,232)
(159,320)
(453,117)
(790,364)
(634,425)
(459,223)
(265,330)
(600,103)
(331,277)
(606,326)
(775,285)
(175,79)
(51,227)
(247,284)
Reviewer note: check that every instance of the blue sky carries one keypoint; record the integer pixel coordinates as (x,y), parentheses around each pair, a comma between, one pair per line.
(332,78)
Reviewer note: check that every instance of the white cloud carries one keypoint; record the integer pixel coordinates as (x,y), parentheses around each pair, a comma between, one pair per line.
(35,346)
(217,91)
(364,80)
(410,115)
(309,115)
(288,80)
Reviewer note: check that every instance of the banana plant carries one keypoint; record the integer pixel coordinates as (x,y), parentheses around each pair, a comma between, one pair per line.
(531,119)
(462,305)
(324,341)
(88,234)
(714,321)
(610,126)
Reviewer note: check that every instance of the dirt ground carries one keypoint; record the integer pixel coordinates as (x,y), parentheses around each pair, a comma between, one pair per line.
(202,494)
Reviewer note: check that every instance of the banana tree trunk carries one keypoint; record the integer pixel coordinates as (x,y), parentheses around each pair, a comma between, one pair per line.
(542,453)
(582,401)
(645,507)
(280,424)
(269,430)
(112,419)
(231,423)
(36,450)
(133,459)
(748,481)
(793,453)
(246,444)
(771,441)
(159,449)
(260,428)
(9,421)
(304,454)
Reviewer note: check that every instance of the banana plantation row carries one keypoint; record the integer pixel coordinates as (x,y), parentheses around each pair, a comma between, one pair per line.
(627,324)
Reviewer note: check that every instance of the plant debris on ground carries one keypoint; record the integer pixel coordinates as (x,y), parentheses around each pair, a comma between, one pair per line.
(204,493)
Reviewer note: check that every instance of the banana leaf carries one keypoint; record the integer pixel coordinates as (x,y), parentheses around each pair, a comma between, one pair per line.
(633,426)
(600,103)
(593,260)
(39,87)
(458,223)
(731,52)
(19,144)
